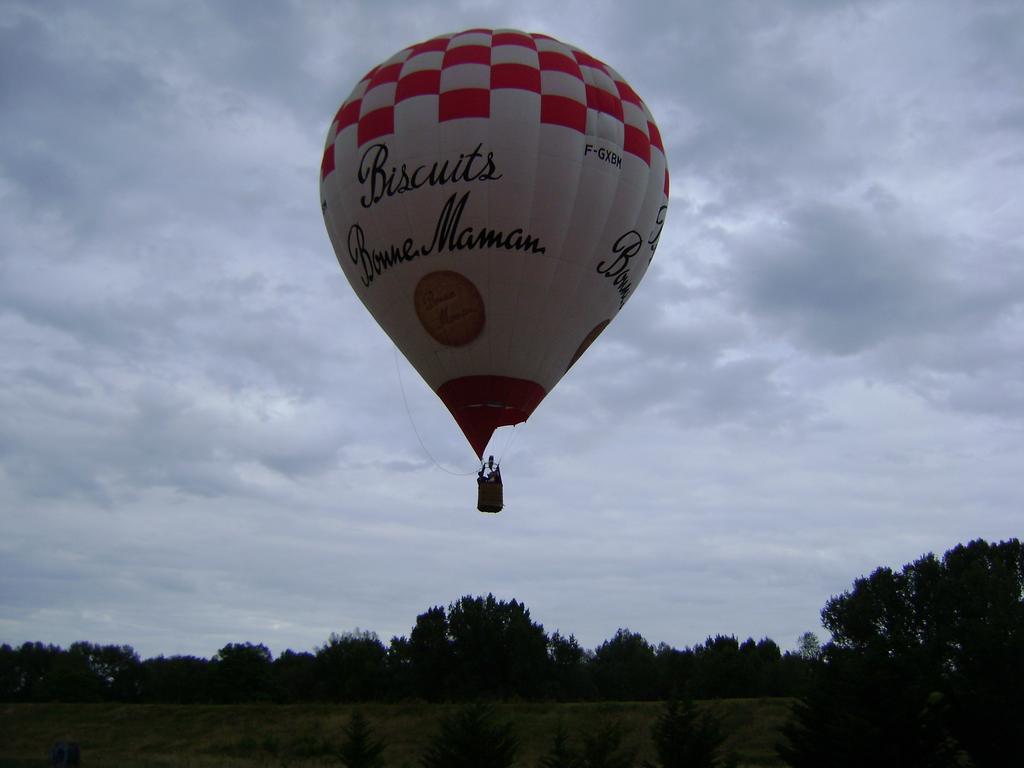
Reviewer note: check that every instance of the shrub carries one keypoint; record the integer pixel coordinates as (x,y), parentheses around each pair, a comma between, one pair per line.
(472,738)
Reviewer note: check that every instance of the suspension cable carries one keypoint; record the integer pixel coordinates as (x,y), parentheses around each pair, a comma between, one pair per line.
(408,412)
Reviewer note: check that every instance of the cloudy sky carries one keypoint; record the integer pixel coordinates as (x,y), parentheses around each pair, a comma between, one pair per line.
(203,435)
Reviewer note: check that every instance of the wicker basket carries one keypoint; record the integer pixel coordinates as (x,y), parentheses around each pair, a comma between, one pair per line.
(489,497)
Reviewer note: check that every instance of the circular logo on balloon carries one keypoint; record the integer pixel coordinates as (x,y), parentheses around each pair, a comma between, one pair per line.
(449,307)
(587,341)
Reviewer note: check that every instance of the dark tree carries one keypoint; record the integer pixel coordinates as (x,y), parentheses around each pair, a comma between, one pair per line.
(177,680)
(719,670)
(242,672)
(808,646)
(603,747)
(401,679)
(687,738)
(472,738)
(561,753)
(352,667)
(359,748)
(430,655)
(293,677)
(795,674)
(480,648)
(9,674)
(625,669)
(675,670)
(497,650)
(117,668)
(31,666)
(570,678)
(70,677)
(924,666)
(762,669)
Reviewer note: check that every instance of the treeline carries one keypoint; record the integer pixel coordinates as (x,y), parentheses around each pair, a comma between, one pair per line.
(479,648)
(925,668)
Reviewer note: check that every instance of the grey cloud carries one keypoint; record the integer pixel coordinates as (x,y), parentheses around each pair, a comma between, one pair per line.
(939,313)
(996,31)
(819,374)
(678,351)
(72,116)
(837,281)
(161,435)
(841,281)
(1011,119)
(744,107)
(241,330)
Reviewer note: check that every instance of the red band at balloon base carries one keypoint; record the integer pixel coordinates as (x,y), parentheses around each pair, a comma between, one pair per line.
(481,404)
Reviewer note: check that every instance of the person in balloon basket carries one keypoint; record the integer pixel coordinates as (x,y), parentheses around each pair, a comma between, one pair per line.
(493,472)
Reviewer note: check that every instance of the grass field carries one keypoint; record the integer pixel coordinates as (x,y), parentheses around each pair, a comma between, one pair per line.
(306,736)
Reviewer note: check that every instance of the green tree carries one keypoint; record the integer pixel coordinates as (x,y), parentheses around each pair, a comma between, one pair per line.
(687,738)
(117,667)
(808,647)
(603,747)
(720,671)
(675,669)
(625,668)
(428,654)
(561,753)
(177,680)
(498,651)
(401,679)
(352,667)
(71,678)
(359,748)
(294,677)
(569,678)
(472,738)
(924,666)
(242,672)
(31,666)
(9,673)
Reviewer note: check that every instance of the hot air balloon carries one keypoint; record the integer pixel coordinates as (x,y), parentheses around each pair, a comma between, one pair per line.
(494,198)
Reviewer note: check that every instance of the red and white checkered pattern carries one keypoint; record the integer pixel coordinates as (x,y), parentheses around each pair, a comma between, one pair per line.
(464,75)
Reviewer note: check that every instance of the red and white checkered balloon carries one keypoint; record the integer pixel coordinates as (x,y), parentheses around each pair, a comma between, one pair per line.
(494,198)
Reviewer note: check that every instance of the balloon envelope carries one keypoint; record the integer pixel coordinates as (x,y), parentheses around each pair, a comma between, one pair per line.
(493,197)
